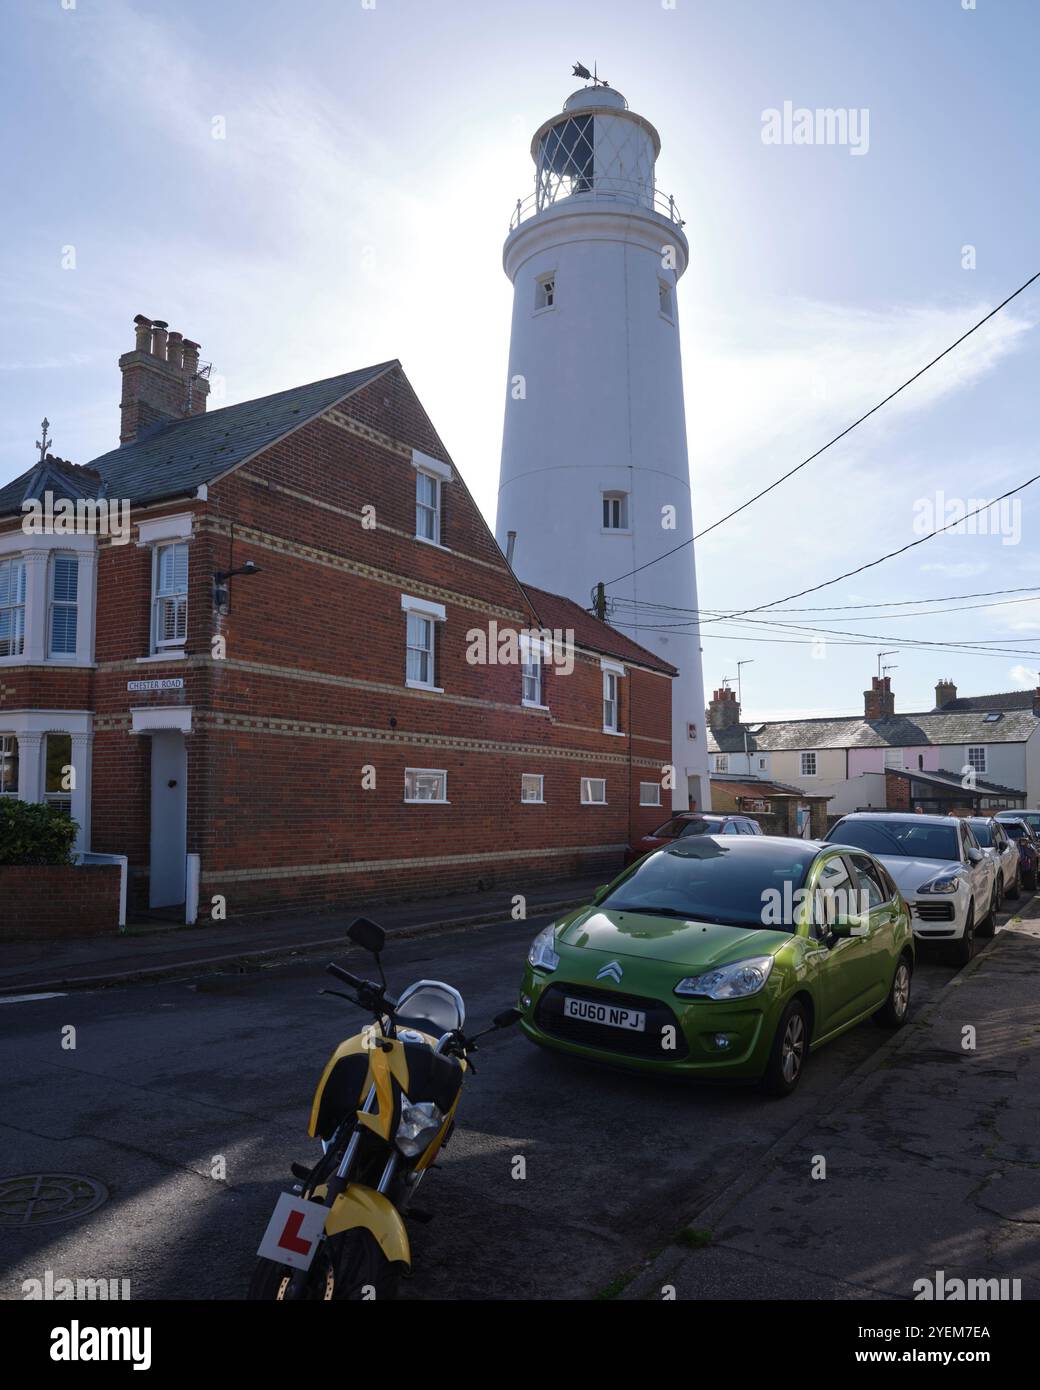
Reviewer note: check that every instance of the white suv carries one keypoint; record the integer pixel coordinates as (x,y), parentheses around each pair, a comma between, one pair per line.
(998,844)
(948,882)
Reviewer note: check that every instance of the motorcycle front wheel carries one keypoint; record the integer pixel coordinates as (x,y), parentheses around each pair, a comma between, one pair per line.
(349,1267)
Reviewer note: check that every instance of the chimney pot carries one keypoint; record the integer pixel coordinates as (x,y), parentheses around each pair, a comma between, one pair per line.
(159,327)
(142,334)
(191,356)
(175,350)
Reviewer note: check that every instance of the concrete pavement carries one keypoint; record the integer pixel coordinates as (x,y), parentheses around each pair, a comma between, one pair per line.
(926,1161)
(156,953)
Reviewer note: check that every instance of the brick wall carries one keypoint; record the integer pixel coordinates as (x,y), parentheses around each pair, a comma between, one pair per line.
(58,900)
(309,697)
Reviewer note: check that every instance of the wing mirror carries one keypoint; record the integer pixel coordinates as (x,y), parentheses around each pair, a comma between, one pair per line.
(367,934)
(975,856)
(843,927)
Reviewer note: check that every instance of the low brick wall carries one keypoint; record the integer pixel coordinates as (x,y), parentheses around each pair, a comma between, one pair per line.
(55,900)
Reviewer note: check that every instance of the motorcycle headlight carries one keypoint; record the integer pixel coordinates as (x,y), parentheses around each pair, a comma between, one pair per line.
(736,981)
(542,955)
(945,883)
(420,1125)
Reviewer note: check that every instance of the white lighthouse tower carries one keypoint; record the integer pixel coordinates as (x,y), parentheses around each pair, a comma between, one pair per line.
(595,479)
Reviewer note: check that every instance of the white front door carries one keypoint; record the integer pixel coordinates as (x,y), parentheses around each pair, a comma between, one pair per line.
(169,844)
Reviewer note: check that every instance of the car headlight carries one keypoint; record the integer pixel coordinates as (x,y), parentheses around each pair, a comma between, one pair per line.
(541,955)
(945,883)
(420,1125)
(736,981)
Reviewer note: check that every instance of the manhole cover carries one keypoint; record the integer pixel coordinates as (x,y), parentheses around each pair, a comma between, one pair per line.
(38,1199)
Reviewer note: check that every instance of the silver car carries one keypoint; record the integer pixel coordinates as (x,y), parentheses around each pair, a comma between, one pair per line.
(995,841)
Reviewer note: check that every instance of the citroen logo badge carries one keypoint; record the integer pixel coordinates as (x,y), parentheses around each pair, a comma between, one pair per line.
(612,971)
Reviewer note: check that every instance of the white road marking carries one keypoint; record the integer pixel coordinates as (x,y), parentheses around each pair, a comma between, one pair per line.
(27,998)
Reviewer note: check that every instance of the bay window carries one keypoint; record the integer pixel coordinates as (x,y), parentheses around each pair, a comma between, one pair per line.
(12,607)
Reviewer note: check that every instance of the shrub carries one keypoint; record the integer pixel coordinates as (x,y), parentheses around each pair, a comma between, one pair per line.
(34,833)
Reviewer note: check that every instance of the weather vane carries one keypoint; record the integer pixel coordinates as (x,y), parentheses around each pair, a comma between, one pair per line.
(579,70)
(44,444)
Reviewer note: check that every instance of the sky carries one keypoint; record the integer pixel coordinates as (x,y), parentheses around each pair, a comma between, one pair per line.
(307,189)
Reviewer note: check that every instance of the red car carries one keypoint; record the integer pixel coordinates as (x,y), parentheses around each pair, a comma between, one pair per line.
(691,823)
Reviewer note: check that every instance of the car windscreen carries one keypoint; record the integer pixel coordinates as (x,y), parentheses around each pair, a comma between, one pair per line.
(708,878)
(907,839)
(982,832)
(1015,829)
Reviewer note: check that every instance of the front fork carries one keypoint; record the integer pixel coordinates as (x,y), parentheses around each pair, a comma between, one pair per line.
(340,1180)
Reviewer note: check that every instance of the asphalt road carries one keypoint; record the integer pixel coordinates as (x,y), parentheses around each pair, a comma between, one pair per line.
(170,1086)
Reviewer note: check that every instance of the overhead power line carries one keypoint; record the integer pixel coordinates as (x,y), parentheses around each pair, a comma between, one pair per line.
(847,430)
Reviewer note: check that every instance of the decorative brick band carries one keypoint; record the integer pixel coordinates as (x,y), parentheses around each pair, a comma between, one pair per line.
(351,733)
(352,426)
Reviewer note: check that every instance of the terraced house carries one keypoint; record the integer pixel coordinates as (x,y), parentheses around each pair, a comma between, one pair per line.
(262,681)
(980,752)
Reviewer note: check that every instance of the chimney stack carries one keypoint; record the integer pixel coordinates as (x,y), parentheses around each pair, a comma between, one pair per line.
(723,712)
(161,381)
(878,701)
(945,691)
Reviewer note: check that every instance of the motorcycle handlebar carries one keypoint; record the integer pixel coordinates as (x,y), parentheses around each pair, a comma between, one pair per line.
(347,977)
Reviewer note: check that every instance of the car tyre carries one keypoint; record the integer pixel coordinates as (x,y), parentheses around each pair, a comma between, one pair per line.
(788,1052)
(988,925)
(964,949)
(896,1008)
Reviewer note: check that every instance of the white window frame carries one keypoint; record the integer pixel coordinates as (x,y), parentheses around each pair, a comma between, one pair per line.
(54,603)
(611,499)
(612,673)
(893,759)
(587,798)
(9,749)
(422,507)
(433,613)
(159,646)
(721,762)
(649,793)
(545,293)
(442,800)
(17,566)
(803,764)
(525,778)
(980,762)
(420,642)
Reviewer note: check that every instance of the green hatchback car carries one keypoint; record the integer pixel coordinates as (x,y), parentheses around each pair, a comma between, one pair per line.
(727,957)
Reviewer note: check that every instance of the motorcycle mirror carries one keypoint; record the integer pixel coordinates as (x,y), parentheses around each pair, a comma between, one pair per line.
(507,1018)
(367,934)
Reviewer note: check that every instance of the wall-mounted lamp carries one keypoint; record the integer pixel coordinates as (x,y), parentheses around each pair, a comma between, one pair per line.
(221,587)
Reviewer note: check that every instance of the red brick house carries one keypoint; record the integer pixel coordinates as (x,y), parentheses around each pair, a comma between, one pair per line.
(327,728)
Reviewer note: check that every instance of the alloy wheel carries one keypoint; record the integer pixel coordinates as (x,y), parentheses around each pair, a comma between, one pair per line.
(793,1049)
(901,989)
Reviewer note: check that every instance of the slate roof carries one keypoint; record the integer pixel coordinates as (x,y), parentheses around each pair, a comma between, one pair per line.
(1004,700)
(556,611)
(943,778)
(898,731)
(743,785)
(178,457)
(55,475)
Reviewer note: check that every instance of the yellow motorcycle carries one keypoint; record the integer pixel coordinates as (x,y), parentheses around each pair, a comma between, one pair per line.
(384,1108)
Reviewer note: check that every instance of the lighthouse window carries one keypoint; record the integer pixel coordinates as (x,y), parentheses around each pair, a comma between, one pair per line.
(545,292)
(615,511)
(664,291)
